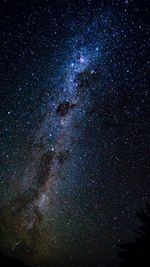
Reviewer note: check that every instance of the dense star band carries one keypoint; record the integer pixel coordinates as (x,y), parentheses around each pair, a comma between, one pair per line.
(74,141)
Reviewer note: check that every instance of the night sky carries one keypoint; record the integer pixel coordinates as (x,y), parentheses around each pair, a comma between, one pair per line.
(74,129)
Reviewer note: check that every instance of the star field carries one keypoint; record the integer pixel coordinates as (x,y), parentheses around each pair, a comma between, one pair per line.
(74,129)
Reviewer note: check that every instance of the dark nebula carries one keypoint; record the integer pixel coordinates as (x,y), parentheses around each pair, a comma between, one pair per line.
(64,108)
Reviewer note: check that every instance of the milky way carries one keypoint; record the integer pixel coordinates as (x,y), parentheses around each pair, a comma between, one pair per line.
(74,144)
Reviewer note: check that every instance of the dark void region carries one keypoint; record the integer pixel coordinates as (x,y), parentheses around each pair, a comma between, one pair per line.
(64,108)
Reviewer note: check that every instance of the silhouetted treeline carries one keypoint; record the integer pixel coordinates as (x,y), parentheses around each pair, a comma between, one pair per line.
(137,252)
(10,262)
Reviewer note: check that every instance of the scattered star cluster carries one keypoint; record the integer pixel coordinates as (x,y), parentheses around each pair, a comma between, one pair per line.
(75,129)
